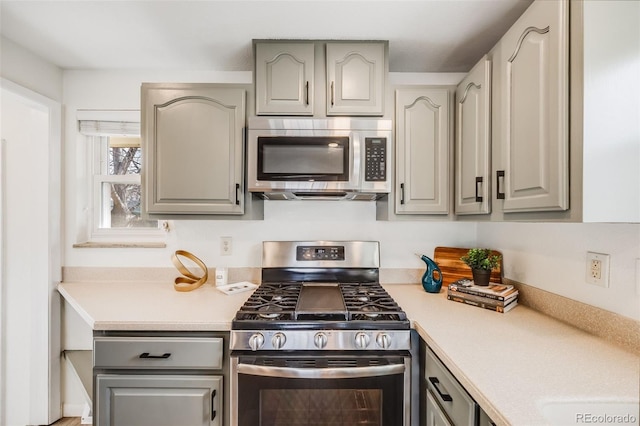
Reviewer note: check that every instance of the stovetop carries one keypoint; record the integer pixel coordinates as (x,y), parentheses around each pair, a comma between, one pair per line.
(320,305)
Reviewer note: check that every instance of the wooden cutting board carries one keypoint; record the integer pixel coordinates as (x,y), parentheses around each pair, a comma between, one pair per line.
(453,269)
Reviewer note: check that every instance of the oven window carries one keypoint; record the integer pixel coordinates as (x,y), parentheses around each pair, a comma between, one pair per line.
(277,401)
(288,407)
(303,158)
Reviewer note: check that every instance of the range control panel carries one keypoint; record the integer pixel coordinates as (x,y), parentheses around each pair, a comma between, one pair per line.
(320,253)
(375,159)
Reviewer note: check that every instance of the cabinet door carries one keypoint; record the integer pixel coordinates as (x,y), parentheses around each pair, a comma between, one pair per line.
(193,149)
(423,151)
(284,78)
(473,135)
(156,400)
(356,74)
(435,415)
(531,126)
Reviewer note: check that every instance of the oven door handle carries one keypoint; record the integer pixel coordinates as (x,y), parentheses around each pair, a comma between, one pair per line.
(321,373)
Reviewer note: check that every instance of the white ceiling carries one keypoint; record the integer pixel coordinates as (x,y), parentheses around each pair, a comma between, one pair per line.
(424,35)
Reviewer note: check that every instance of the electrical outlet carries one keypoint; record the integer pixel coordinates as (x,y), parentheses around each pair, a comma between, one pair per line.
(225,246)
(598,269)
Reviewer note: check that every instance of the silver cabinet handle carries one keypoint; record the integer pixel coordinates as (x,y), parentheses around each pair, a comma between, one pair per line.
(320,373)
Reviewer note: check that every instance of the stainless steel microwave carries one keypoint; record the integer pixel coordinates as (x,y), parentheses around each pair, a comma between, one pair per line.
(334,158)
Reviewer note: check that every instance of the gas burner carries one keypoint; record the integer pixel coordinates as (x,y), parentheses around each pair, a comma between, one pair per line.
(369,311)
(266,312)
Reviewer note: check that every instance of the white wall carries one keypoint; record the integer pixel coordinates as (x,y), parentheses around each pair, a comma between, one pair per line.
(30,266)
(611,111)
(105,90)
(552,257)
(323,220)
(30,71)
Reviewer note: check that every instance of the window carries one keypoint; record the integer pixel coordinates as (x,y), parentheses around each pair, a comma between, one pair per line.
(115,194)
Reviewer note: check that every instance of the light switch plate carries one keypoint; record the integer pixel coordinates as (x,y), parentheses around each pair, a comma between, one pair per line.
(226,245)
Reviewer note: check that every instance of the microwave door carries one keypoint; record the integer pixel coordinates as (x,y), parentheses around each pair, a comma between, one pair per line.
(307,159)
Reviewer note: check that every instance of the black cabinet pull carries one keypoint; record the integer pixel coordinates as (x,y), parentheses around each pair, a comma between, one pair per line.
(213,397)
(445,396)
(332,93)
(499,176)
(237,191)
(402,193)
(146,355)
(306,94)
(479,180)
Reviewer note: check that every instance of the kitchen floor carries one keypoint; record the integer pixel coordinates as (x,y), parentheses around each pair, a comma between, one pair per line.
(68,421)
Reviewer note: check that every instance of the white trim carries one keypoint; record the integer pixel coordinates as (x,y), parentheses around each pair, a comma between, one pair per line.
(98,171)
(132,116)
(2,282)
(44,331)
(111,128)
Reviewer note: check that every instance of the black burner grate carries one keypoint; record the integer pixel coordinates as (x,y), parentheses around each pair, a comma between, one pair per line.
(278,302)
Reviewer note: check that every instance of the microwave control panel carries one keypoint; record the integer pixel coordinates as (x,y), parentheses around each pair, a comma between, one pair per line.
(375,160)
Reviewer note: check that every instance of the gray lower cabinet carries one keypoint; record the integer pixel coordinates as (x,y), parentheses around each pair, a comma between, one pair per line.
(446,401)
(435,414)
(160,380)
(158,400)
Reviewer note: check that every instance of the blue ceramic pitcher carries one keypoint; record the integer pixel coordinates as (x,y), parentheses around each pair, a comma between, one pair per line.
(432,278)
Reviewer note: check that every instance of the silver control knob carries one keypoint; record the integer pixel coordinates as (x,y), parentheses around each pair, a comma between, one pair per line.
(362,340)
(256,341)
(320,340)
(278,340)
(383,340)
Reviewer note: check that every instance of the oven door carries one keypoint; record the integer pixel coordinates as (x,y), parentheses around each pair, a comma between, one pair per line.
(320,390)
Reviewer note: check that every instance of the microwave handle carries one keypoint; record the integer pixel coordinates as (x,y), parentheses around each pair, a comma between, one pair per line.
(320,373)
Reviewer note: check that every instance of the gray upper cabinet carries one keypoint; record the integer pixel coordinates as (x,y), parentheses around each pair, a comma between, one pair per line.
(423,147)
(530,111)
(473,141)
(193,145)
(356,74)
(284,78)
(320,78)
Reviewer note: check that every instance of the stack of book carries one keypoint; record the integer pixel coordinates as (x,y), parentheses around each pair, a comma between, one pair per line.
(496,297)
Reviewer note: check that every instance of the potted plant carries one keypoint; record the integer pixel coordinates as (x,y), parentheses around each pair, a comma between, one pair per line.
(481,262)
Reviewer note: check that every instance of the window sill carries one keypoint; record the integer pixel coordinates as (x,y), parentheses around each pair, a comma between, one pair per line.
(93,244)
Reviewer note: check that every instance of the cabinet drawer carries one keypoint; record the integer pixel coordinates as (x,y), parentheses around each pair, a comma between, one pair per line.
(450,395)
(154,352)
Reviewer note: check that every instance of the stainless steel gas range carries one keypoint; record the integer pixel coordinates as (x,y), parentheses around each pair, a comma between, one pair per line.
(320,341)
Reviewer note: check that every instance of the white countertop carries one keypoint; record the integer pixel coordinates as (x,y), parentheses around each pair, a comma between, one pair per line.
(148,305)
(511,364)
